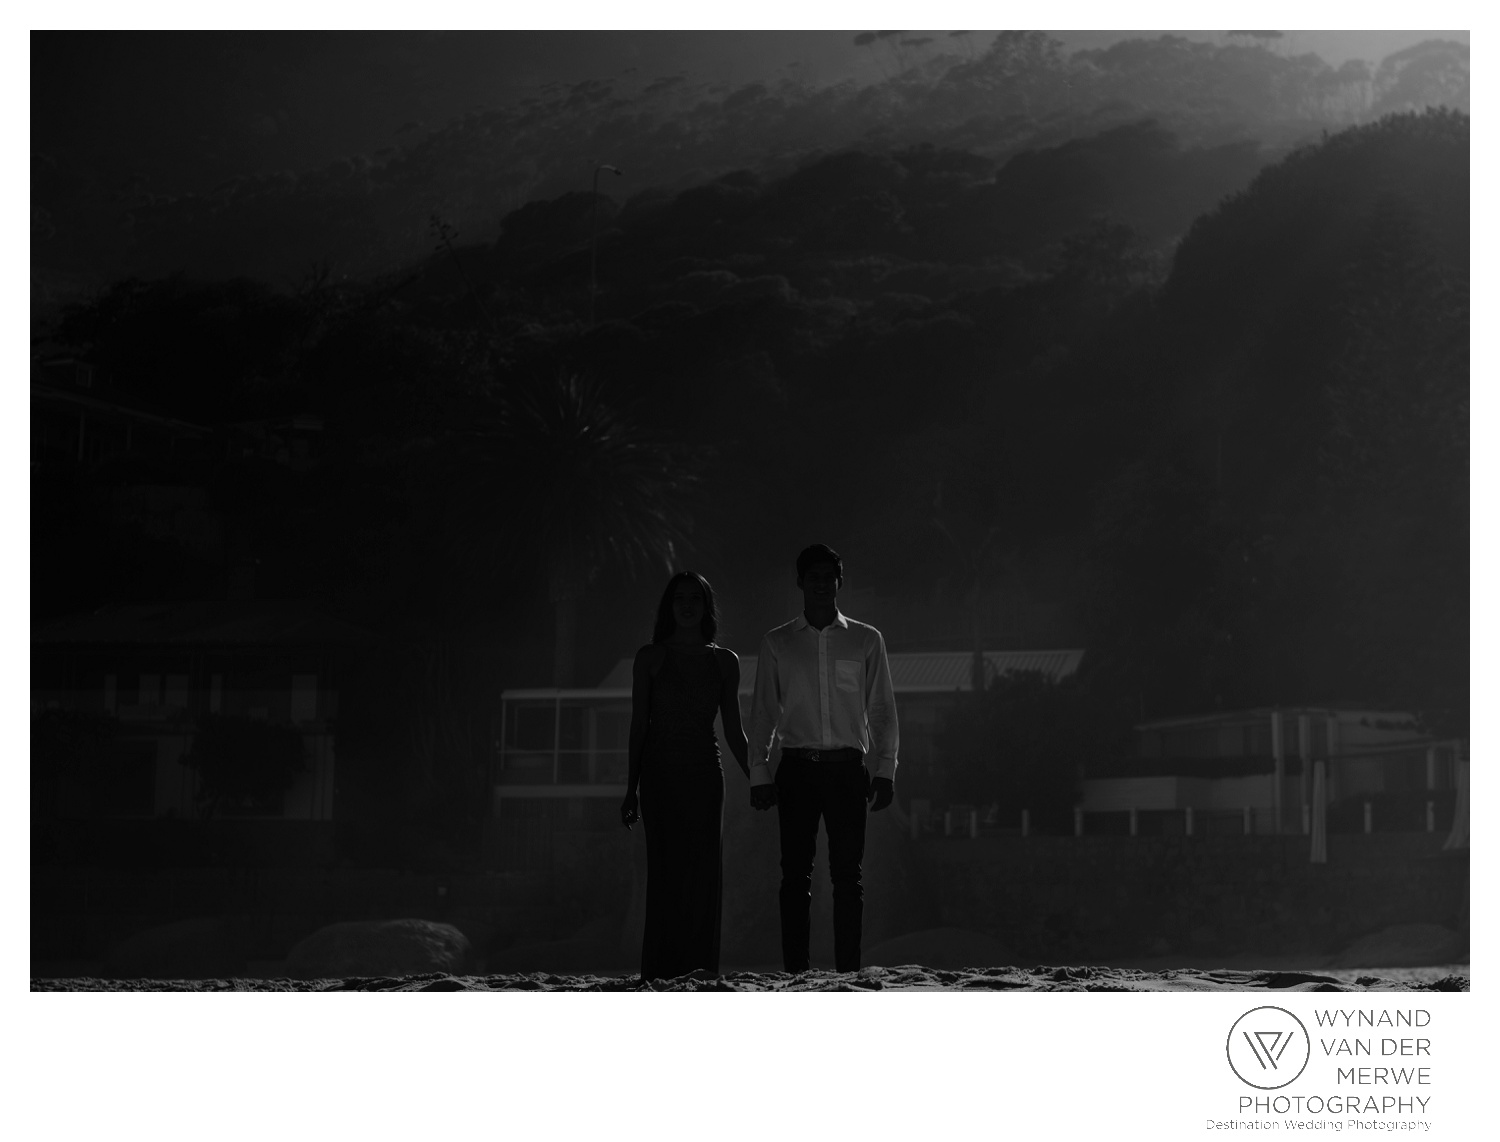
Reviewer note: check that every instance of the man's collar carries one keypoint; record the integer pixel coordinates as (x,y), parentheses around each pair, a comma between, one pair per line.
(838,620)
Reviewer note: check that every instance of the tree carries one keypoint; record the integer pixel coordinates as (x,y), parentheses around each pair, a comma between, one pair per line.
(1434,73)
(1291,525)
(71,755)
(587,487)
(243,762)
(1023,743)
(1395,472)
(205,351)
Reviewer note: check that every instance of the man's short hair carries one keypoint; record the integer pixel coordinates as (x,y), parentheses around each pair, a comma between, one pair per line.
(820,553)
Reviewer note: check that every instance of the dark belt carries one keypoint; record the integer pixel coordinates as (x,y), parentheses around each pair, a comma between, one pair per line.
(843,753)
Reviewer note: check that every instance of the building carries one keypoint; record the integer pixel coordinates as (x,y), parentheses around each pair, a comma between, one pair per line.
(150,672)
(562,755)
(1252,771)
(77,423)
(74,425)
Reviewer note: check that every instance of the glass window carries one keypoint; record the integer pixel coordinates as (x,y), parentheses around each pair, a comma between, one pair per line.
(527,769)
(612,767)
(573,752)
(177,691)
(1258,743)
(124,784)
(612,728)
(529,725)
(570,727)
(611,745)
(304,697)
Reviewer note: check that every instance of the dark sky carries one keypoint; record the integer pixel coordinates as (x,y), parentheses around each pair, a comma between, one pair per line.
(191,109)
(115,115)
(198,107)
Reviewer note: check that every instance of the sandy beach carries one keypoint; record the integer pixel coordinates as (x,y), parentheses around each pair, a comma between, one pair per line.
(908,977)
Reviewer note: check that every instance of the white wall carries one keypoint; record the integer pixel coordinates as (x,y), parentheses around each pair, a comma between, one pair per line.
(1117,794)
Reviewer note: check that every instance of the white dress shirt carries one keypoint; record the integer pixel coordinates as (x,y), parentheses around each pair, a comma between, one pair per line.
(823,689)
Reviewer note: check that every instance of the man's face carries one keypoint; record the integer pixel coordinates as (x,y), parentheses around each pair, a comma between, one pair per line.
(820,586)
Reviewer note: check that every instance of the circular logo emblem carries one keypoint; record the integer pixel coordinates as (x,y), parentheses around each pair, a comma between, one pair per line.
(1268,1047)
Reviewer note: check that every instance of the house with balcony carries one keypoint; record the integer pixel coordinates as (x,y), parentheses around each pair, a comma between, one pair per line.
(141,678)
(1253,771)
(562,755)
(76,423)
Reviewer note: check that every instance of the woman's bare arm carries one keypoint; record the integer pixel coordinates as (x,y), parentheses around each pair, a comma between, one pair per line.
(729,708)
(640,714)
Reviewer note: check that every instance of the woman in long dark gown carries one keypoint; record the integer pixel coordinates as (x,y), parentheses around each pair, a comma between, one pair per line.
(676,787)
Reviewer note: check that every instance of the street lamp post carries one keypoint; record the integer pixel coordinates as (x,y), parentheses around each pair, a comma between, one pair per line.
(594,239)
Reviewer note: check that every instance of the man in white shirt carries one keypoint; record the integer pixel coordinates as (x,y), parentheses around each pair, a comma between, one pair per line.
(823,688)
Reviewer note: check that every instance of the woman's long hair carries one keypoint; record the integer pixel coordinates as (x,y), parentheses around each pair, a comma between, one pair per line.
(666,622)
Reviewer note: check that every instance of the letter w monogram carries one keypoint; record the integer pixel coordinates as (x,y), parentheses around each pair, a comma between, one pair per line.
(1268,1046)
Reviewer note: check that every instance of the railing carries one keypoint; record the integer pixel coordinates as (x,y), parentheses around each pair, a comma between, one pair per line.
(562,740)
(1430,811)
(562,767)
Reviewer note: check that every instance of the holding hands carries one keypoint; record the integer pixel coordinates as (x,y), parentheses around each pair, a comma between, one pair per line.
(763,796)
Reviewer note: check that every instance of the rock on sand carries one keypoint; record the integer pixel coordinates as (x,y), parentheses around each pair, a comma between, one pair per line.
(381,948)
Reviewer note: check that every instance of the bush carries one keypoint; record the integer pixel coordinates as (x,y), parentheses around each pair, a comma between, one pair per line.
(244,764)
(1022,742)
(72,756)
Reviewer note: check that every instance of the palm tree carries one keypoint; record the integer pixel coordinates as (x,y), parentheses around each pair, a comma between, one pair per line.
(589,487)
(506,477)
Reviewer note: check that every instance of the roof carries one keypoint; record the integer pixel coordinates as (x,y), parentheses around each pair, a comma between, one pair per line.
(1260,713)
(916,672)
(952,670)
(205,623)
(48,392)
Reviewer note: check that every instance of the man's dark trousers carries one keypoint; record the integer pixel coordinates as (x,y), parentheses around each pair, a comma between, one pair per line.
(827,784)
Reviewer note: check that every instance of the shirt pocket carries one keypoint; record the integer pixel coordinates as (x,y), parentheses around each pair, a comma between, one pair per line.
(848,674)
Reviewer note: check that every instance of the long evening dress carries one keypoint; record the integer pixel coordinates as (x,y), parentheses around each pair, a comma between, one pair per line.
(682,808)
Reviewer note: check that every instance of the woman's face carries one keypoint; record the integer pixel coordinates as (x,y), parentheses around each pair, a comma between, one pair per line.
(689,605)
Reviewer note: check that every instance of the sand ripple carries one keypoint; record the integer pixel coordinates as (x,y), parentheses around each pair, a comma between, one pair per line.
(908,977)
